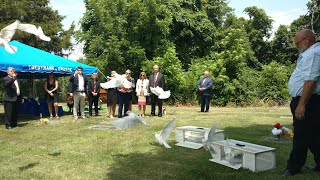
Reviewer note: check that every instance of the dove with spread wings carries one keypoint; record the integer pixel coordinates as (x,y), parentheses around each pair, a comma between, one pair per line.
(8,32)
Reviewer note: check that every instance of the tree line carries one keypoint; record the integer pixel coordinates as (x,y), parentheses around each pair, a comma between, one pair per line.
(250,65)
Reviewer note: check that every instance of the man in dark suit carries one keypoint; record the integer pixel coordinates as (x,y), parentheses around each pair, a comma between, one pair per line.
(78,90)
(10,98)
(93,93)
(204,86)
(156,79)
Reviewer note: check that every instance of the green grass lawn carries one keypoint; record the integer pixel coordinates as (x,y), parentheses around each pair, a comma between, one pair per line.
(70,150)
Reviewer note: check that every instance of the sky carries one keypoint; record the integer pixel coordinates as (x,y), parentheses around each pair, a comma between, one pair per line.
(281,11)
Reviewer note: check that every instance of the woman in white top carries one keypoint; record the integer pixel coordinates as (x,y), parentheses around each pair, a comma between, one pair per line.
(142,92)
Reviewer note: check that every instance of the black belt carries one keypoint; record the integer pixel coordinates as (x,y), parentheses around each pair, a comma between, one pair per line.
(313,96)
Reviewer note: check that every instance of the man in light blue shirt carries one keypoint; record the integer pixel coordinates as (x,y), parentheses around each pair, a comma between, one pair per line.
(304,87)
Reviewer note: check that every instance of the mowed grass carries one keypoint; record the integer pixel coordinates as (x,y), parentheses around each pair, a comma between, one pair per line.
(70,150)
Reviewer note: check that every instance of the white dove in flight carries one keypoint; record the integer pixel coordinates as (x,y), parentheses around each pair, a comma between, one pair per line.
(116,81)
(158,91)
(7,33)
(130,121)
(165,133)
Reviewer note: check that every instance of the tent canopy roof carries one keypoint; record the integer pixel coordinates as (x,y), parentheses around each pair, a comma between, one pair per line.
(32,62)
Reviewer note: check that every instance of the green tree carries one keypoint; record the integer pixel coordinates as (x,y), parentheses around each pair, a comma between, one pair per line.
(41,14)
(259,28)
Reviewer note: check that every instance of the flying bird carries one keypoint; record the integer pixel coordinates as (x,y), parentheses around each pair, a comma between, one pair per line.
(116,81)
(158,91)
(130,121)
(7,33)
(165,133)
(208,138)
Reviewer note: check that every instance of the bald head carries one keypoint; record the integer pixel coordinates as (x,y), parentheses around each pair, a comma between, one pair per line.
(304,39)
(155,68)
(206,73)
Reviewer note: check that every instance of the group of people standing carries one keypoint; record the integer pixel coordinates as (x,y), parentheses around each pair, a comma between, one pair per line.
(124,96)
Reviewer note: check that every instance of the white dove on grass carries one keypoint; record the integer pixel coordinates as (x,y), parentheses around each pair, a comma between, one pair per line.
(165,133)
(7,33)
(208,138)
(116,81)
(158,91)
(130,121)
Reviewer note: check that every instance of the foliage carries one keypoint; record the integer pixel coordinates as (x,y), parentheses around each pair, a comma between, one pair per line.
(187,37)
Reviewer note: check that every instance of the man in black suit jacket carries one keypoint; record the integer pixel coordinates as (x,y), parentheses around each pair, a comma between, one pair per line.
(93,93)
(78,90)
(156,79)
(10,98)
(204,86)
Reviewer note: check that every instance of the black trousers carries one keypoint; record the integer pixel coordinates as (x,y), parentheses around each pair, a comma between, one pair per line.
(123,101)
(154,100)
(205,103)
(93,100)
(306,134)
(11,113)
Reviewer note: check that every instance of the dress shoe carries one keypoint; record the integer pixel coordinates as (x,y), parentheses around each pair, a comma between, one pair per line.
(152,114)
(287,173)
(313,168)
(160,115)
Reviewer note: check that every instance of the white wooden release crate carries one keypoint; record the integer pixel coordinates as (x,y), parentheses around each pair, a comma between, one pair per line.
(254,157)
(191,136)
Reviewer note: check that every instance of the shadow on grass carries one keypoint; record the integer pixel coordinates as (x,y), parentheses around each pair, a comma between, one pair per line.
(21,118)
(183,163)
(28,166)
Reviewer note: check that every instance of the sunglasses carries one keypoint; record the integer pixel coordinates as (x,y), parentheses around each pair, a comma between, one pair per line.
(142,75)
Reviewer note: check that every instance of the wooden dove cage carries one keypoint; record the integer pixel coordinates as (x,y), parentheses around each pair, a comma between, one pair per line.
(253,157)
(191,136)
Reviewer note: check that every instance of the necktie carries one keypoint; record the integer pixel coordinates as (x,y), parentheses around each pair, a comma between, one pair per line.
(94,86)
(154,80)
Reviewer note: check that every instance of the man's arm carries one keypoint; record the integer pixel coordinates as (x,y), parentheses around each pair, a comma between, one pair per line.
(7,81)
(210,83)
(307,91)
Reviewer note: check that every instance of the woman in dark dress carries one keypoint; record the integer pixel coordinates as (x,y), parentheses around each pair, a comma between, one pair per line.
(51,88)
(112,98)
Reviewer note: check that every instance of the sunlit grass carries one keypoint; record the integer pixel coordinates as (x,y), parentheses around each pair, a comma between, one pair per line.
(70,150)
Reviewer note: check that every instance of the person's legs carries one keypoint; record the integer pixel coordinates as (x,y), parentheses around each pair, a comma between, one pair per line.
(202,102)
(126,102)
(120,103)
(114,106)
(160,102)
(299,150)
(140,111)
(14,114)
(90,99)
(76,99)
(153,105)
(8,113)
(207,102)
(313,116)
(50,109)
(82,102)
(96,109)
(144,110)
(56,109)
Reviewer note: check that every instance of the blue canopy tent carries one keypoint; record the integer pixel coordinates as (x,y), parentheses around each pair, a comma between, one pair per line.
(31,62)
(34,63)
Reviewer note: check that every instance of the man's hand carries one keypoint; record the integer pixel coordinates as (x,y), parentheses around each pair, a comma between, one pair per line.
(300,111)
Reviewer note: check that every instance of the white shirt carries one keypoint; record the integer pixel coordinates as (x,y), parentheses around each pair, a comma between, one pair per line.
(17,87)
(81,83)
